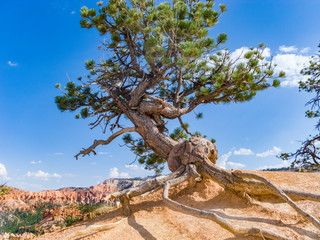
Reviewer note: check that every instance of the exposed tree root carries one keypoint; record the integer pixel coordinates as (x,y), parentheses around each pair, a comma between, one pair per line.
(93,228)
(280,193)
(146,187)
(215,217)
(194,159)
(249,184)
(302,195)
(235,182)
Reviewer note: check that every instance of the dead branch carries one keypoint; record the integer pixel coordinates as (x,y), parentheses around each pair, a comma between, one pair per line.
(164,103)
(96,143)
(146,186)
(184,126)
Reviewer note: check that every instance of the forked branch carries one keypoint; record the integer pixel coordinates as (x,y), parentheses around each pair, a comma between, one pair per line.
(146,186)
(96,143)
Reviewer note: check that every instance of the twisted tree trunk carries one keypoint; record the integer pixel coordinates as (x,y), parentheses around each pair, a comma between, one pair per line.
(195,158)
(192,160)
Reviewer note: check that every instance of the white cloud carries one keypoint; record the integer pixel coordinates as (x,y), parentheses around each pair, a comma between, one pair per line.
(288,49)
(73,12)
(134,167)
(103,153)
(225,164)
(124,175)
(222,161)
(42,175)
(240,52)
(93,163)
(58,154)
(291,64)
(266,53)
(114,173)
(138,171)
(280,165)
(243,151)
(3,171)
(35,162)
(234,165)
(12,64)
(274,151)
(289,60)
(69,175)
(305,50)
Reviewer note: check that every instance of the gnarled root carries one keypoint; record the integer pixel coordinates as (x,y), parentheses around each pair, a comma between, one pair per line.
(144,188)
(249,184)
(213,216)
(281,194)
(235,182)
(93,228)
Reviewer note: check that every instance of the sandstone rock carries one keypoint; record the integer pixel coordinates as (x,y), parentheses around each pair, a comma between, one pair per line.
(23,200)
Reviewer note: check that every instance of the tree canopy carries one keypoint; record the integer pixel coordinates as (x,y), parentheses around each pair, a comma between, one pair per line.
(161,63)
(307,156)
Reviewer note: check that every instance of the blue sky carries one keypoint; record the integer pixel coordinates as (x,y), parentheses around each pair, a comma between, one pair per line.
(41,41)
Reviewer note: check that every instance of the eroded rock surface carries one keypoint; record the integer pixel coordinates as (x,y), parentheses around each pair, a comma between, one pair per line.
(22,200)
(193,150)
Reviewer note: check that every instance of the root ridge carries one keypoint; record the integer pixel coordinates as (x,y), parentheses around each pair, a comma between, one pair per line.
(247,184)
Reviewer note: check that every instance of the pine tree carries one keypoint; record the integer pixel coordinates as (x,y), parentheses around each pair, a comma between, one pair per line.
(307,157)
(4,189)
(162,64)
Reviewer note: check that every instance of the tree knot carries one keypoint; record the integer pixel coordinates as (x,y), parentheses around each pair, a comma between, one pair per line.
(193,150)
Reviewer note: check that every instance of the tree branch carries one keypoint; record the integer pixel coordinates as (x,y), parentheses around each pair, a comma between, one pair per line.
(103,142)
(184,126)
(139,91)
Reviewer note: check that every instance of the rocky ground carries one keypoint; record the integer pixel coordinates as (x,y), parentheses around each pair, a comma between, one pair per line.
(152,219)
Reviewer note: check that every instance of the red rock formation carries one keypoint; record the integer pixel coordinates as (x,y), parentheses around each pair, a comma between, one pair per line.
(19,199)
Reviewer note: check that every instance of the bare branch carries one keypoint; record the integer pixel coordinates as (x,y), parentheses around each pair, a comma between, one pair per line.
(146,186)
(165,104)
(68,77)
(103,142)
(177,96)
(184,127)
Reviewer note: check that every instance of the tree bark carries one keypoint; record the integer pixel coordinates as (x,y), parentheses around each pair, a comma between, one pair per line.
(194,158)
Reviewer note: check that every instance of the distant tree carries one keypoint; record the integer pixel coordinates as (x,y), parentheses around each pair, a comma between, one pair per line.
(307,157)
(160,65)
(4,189)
